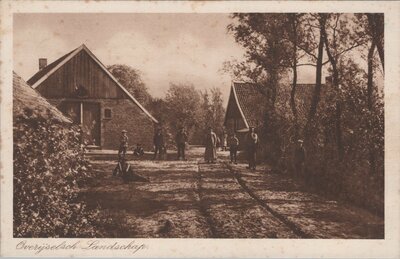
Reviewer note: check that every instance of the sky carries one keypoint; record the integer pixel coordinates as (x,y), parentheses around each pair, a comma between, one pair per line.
(178,48)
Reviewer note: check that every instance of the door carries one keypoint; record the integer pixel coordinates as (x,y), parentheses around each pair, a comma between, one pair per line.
(72,110)
(91,123)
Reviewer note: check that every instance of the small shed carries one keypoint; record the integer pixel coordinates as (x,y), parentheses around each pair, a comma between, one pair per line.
(244,110)
(246,106)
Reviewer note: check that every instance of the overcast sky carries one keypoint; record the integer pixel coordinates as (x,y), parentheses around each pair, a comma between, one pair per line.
(165,47)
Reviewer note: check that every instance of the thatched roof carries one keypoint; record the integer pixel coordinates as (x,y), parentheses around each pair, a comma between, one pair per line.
(26,98)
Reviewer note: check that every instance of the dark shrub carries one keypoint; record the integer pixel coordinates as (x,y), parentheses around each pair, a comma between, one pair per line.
(49,167)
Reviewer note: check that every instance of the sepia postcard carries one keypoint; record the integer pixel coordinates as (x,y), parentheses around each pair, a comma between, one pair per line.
(200,129)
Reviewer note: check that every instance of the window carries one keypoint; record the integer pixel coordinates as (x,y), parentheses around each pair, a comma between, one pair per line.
(107,113)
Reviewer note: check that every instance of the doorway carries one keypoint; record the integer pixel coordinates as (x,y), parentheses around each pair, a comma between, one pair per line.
(86,114)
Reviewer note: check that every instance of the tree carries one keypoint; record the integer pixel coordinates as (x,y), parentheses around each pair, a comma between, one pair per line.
(268,58)
(344,121)
(217,110)
(182,103)
(376,28)
(266,51)
(131,79)
(318,78)
(372,31)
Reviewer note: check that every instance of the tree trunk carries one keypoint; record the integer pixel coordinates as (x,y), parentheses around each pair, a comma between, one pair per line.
(370,89)
(292,18)
(370,74)
(318,84)
(338,113)
(377,27)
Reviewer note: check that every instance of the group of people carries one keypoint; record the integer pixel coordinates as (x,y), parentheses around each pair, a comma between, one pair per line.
(211,142)
(251,145)
(123,168)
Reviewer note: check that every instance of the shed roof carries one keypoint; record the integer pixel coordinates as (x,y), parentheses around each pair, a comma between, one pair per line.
(249,99)
(25,97)
(44,73)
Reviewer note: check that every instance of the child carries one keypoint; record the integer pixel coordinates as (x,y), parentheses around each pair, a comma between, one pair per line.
(138,151)
(123,146)
(225,142)
(233,147)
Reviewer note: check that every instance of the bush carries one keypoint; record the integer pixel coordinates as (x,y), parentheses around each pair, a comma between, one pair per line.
(49,168)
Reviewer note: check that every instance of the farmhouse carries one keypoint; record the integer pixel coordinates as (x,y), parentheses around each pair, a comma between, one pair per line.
(81,87)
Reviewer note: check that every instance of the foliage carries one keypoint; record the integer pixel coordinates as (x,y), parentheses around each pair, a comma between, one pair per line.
(213,111)
(49,168)
(184,106)
(183,102)
(131,79)
(345,137)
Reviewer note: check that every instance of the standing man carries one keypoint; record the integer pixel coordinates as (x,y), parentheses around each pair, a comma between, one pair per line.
(300,158)
(233,147)
(123,146)
(211,140)
(252,145)
(181,139)
(158,143)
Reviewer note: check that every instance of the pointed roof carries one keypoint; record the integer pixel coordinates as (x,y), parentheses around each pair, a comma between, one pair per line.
(41,73)
(47,71)
(248,97)
(24,97)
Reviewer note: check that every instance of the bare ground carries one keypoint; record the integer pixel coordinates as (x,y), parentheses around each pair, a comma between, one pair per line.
(191,199)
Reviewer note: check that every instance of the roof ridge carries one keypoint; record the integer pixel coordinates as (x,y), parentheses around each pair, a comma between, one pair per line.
(54,66)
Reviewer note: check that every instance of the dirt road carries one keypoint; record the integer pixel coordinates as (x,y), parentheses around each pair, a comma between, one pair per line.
(193,199)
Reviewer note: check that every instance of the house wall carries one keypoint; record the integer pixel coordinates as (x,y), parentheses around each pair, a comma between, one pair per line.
(125,115)
(128,116)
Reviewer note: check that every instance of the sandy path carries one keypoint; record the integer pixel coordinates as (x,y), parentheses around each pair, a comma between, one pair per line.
(314,215)
(191,199)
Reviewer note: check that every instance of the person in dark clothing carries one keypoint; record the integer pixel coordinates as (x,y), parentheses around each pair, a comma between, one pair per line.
(123,146)
(158,144)
(128,175)
(118,169)
(181,139)
(125,171)
(138,151)
(252,145)
(300,158)
(233,147)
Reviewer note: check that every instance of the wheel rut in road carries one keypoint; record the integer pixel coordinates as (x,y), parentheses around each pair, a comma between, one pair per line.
(298,231)
(230,211)
(203,207)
